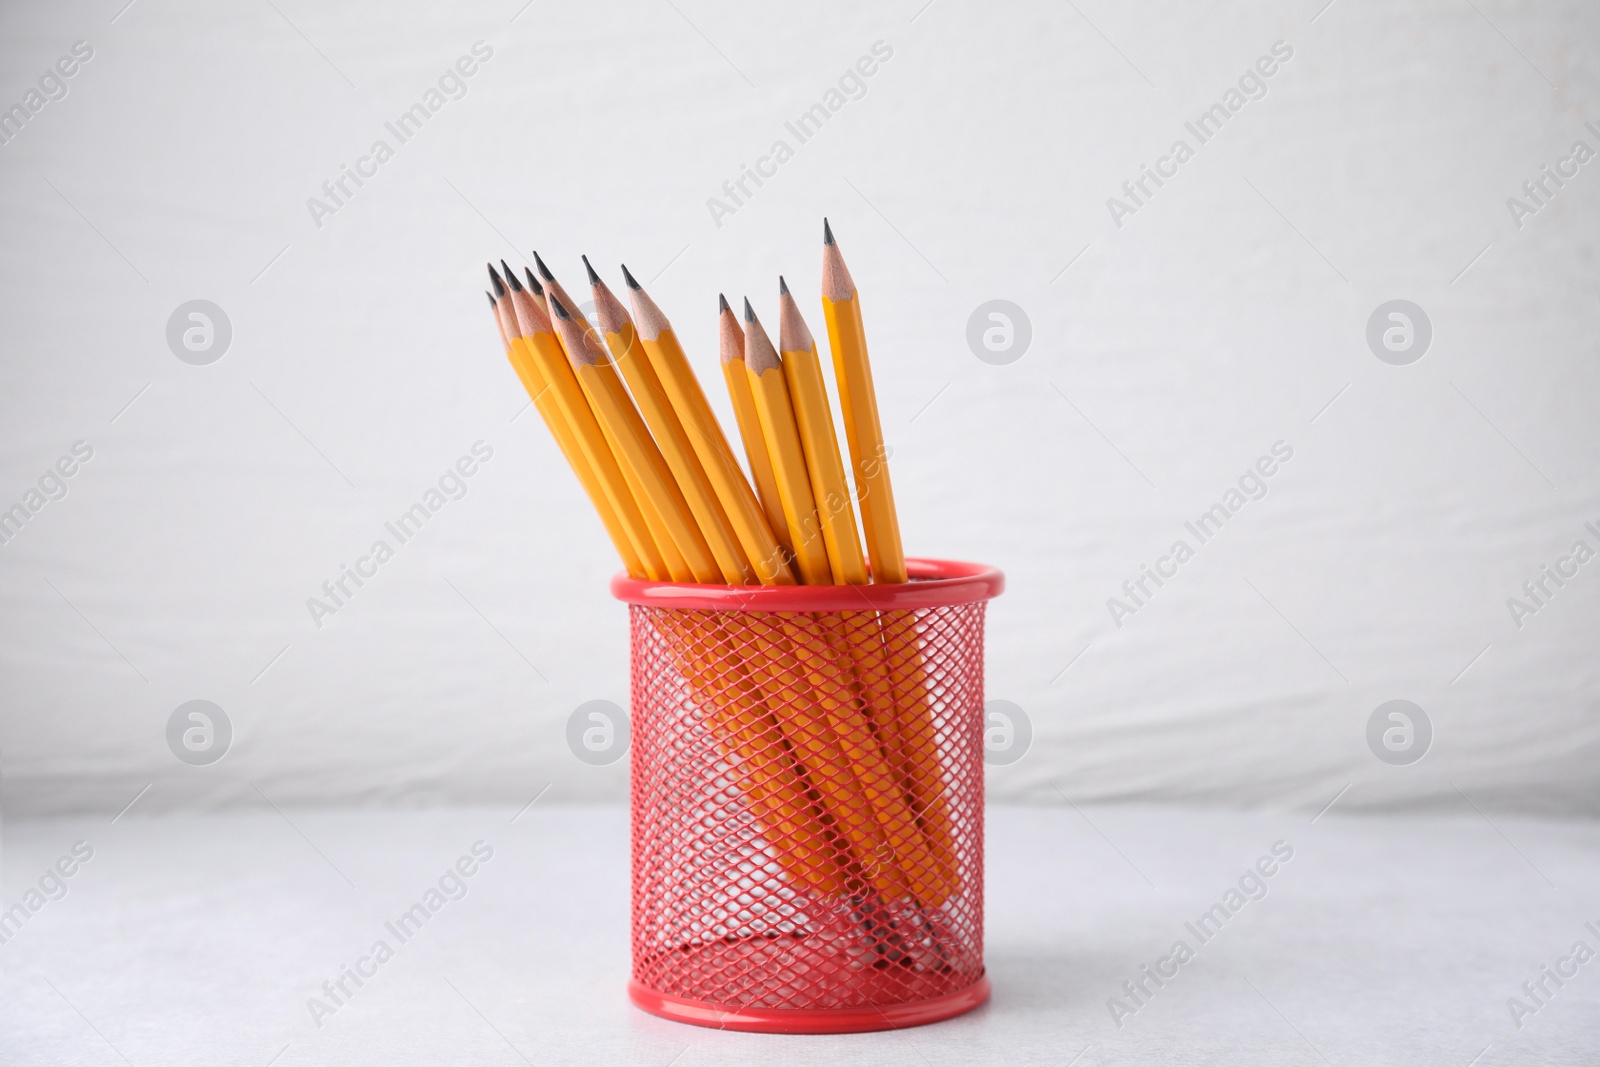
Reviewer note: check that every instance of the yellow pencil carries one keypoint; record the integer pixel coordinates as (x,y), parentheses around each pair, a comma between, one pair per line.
(778,430)
(730,342)
(858,403)
(809,396)
(909,732)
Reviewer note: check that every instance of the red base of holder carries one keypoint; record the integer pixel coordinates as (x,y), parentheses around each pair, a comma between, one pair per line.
(809,1021)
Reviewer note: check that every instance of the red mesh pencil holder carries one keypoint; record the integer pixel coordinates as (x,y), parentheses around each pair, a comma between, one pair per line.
(807,789)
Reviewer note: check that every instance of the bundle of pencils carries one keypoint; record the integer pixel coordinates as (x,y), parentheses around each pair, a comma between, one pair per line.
(829,732)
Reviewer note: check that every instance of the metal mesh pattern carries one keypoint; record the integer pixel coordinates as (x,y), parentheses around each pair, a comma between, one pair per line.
(807,805)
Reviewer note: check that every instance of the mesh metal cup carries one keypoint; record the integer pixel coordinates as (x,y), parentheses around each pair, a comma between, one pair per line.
(807,789)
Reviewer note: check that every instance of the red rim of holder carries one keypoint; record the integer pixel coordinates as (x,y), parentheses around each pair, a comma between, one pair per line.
(934,583)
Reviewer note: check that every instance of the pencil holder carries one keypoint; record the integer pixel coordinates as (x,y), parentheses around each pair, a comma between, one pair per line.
(807,793)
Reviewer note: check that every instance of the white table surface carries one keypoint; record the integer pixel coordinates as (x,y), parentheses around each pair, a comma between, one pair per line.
(197,939)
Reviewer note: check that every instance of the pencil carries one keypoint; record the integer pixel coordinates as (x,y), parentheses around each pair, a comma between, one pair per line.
(866,734)
(730,343)
(782,437)
(858,403)
(809,396)
(909,731)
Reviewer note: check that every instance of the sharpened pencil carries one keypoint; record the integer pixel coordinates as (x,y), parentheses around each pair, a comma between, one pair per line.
(782,437)
(803,373)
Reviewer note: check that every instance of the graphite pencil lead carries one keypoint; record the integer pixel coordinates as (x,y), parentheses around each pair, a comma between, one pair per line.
(544,271)
(533,283)
(511,277)
(560,310)
(594,279)
(493,304)
(827,232)
(499,286)
(722,303)
(749,312)
(783,286)
(628,277)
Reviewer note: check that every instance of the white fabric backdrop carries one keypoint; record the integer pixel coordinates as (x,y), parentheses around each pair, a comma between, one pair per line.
(1226,313)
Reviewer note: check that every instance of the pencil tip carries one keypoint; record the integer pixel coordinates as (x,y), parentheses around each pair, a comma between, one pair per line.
(629,278)
(827,231)
(555,305)
(594,279)
(491,298)
(511,277)
(749,312)
(722,303)
(533,283)
(544,271)
(783,286)
(494,279)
